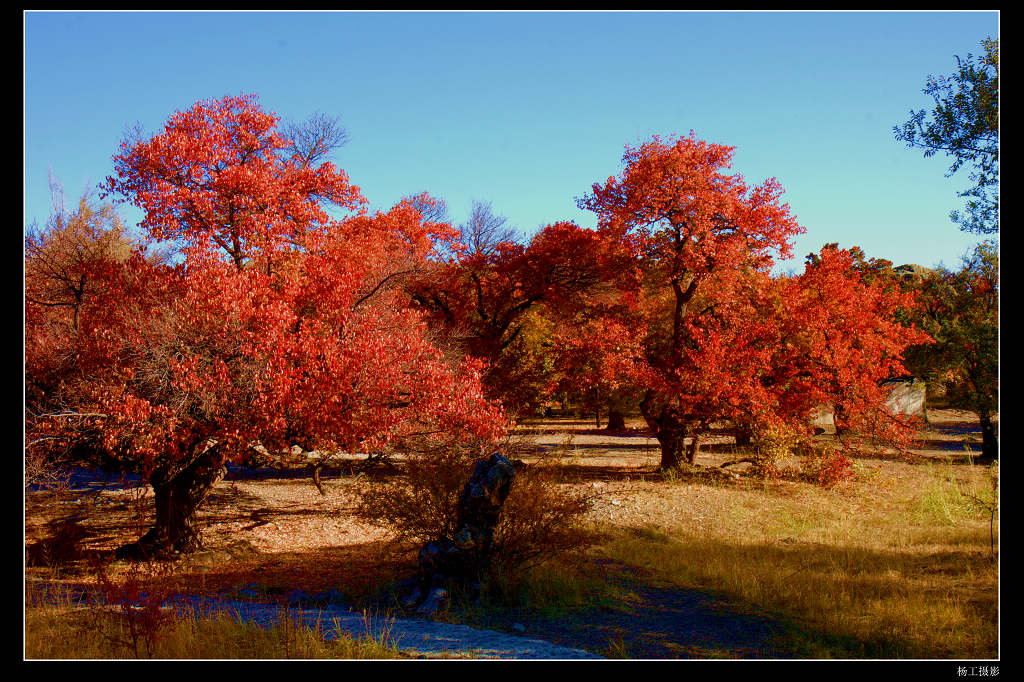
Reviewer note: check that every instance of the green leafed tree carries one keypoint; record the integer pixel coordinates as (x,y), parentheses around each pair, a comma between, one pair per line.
(965,125)
(961,312)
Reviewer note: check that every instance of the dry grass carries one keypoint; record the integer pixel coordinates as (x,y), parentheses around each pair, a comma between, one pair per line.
(63,628)
(896,564)
(899,562)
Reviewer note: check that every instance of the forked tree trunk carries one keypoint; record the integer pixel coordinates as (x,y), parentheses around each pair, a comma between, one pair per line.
(178,496)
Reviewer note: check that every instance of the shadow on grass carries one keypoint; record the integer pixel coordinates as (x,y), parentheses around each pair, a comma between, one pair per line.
(672,597)
(826,601)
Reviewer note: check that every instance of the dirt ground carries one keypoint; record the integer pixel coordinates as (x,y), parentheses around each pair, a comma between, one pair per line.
(274,528)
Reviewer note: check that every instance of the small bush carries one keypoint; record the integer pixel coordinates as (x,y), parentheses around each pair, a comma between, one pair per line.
(422,505)
(539,519)
(139,597)
(826,466)
(772,445)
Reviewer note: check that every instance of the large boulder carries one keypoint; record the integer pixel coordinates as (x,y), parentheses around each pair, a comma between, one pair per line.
(906,396)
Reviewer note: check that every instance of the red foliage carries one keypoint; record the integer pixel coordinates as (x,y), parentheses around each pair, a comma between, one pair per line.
(724,340)
(282,326)
(214,176)
(840,337)
(485,297)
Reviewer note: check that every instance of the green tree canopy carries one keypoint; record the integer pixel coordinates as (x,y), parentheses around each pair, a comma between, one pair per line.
(965,125)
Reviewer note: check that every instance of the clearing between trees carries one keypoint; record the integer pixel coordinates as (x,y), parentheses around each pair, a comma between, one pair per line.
(901,561)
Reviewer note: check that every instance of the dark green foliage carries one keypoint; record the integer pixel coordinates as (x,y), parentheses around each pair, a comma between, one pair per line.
(965,125)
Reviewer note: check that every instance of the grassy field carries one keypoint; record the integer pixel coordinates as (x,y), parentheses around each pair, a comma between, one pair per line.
(61,627)
(899,562)
(874,569)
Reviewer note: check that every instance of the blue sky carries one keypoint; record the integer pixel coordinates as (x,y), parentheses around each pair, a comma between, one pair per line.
(527,110)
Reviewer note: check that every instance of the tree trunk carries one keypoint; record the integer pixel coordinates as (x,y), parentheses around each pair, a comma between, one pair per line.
(694,448)
(669,429)
(178,496)
(743,433)
(839,419)
(616,420)
(672,438)
(989,441)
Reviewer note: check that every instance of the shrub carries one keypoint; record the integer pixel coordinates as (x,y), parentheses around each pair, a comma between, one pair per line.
(772,445)
(139,597)
(826,466)
(539,519)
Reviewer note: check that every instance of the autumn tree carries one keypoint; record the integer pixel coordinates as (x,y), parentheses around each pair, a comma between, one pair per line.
(691,225)
(840,330)
(713,316)
(960,310)
(595,359)
(60,261)
(488,297)
(281,327)
(965,125)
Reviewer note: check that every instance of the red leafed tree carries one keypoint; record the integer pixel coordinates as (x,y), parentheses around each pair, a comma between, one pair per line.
(215,175)
(693,228)
(281,327)
(596,357)
(483,298)
(841,334)
(724,340)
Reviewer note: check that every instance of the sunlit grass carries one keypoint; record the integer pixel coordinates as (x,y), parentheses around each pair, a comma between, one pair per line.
(58,627)
(911,577)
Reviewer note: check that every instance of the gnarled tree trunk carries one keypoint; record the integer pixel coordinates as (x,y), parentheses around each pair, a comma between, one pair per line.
(463,557)
(179,492)
(670,429)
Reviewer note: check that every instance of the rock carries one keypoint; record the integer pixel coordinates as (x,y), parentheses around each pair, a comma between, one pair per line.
(435,599)
(906,396)
(462,557)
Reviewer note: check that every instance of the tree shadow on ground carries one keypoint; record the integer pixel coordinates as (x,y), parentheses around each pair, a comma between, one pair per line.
(646,618)
(659,620)
(353,573)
